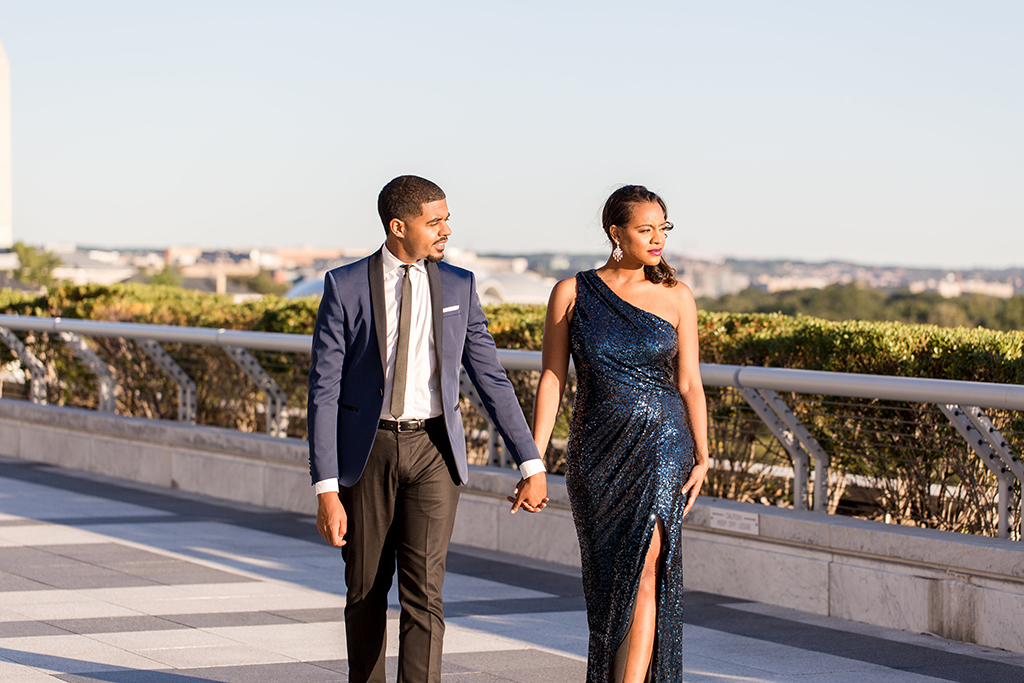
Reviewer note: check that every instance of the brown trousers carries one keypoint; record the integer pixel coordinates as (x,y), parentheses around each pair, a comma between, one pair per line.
(400,514)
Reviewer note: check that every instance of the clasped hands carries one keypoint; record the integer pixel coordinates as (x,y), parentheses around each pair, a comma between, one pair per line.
(531,494)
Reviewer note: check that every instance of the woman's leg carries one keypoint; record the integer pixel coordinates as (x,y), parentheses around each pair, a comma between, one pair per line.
(645,614)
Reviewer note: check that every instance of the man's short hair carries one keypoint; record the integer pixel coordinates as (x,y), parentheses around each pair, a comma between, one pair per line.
(404,197)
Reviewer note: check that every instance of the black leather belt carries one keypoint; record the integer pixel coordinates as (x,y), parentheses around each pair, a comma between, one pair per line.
(405,425)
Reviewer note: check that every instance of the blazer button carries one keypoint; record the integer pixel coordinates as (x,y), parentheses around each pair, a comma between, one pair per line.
(381,392)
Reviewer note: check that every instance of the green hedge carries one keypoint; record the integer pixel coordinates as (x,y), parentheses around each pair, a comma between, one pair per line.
(910,451)
(766,339)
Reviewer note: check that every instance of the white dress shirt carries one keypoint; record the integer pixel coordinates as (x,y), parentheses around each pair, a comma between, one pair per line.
(423,384)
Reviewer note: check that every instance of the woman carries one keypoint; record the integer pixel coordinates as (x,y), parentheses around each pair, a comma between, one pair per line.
(637,453)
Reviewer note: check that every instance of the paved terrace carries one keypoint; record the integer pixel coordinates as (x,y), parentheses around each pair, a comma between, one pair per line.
(102,581)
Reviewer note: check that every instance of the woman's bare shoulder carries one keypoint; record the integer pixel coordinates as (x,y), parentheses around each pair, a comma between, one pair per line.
(563,297)
(683,297)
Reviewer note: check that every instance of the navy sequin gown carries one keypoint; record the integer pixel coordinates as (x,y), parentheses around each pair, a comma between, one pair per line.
(630,452)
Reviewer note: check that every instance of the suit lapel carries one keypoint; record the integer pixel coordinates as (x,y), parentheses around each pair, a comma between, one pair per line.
(377,304)
(437,309)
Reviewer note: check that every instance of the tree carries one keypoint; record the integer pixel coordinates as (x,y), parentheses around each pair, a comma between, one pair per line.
(37,265)
(169,276)
(263,283)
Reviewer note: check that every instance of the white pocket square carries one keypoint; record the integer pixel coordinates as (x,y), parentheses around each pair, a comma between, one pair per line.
(449,309)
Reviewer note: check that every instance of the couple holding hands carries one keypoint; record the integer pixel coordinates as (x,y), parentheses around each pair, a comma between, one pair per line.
(388,451)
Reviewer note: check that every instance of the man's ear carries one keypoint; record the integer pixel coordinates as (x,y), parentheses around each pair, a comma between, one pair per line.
(396,227)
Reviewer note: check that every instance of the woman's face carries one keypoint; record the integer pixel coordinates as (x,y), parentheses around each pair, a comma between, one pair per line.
(644,238)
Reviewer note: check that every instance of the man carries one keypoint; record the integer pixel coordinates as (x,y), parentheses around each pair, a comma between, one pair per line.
(384,422)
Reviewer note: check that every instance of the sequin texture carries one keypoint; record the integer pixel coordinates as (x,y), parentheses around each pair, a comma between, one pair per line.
(629,454)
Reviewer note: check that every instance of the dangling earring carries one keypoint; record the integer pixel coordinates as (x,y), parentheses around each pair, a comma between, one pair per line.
(617,252)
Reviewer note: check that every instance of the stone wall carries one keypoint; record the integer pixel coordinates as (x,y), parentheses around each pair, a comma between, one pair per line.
(953,585)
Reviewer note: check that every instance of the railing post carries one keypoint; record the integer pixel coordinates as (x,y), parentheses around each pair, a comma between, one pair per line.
(980,445)
(809,443)
(277,419)
(788,441)
(104,375)
(34,366)
(186,387)
(1011,462)
(497,454)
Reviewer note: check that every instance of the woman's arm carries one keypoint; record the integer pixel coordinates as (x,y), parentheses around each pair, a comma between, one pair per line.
(555,362)
(692,390)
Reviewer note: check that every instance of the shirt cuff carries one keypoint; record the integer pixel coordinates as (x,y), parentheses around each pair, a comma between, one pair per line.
(531,467)
(326,485)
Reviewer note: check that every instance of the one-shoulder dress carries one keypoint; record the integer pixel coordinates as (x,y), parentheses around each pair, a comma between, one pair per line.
(630,452)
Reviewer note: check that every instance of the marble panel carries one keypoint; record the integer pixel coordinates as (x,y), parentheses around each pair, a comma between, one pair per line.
(885,598)
(1001,626)
(218,476)
(548,535)
(55,446)
(289,488)
(135,461)
(756,570)
(476,522)
(10,438)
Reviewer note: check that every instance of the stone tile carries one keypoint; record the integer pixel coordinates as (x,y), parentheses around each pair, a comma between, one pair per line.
(218,619)
(314,615)
(216,655)
(73,606)
(105,554)
(50,534)
(302,642)
(30,677)
(92,662)
(292,672)
(83,575)
(141,622)
(23,629)
(13,559)
(68,645)
(175,638)
(521,665)
(10,583)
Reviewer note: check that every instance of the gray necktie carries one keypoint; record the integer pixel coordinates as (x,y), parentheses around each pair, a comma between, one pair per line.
(402,353)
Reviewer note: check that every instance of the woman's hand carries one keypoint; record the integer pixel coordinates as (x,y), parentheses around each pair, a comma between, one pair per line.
(693,484)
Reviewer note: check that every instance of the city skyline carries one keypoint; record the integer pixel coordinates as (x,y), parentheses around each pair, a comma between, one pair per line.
(881,133)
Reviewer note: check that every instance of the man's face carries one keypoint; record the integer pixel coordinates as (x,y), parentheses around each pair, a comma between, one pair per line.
(424,236)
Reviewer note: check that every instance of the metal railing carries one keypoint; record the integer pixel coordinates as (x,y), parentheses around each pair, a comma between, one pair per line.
(826,414)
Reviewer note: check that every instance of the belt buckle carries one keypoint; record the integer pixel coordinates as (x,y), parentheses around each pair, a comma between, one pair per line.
(408,425)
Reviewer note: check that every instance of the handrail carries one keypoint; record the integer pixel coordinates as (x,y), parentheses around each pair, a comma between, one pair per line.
(960,401)
(912,389)
(267,341)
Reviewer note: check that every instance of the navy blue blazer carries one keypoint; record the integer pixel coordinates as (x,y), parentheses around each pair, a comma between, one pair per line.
(346,377)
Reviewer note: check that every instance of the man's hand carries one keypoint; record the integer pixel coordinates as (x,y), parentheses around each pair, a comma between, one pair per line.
(331,520)
(694,483)
(531,494)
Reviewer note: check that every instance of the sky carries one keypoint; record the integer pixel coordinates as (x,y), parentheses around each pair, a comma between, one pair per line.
(875,131)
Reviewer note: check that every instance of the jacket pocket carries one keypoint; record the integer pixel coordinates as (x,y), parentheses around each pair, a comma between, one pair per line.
(354,410)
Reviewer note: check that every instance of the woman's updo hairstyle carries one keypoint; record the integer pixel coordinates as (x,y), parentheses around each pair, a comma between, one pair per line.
(618,210)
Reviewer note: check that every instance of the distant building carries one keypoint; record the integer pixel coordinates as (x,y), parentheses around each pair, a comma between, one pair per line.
(92,267)
(6,189)
(711,278)
(499,280)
